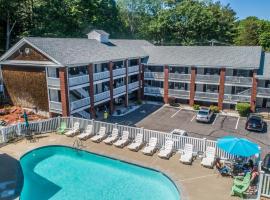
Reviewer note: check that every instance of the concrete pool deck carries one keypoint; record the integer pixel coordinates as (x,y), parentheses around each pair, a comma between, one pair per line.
(195,181)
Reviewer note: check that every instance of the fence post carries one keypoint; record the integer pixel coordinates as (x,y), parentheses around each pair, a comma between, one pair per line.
(3,136)
(71,121)
(19,128)
(39,127)
(260,185)
(204,144)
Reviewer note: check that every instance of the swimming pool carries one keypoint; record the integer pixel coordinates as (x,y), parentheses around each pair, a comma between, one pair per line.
(62,173)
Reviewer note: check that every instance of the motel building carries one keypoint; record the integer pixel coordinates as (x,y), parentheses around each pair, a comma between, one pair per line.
(80,76)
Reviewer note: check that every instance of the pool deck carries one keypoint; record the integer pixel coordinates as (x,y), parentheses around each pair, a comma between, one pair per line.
(195,182)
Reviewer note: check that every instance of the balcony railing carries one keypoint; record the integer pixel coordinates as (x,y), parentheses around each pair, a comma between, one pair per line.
(179,77)
(234,98)
(179,93)
(53,82)
(206,96)
(119,72)
(207,78)
(132,86)
(101,75)
(133,69)
(153,91)
(234,80)
(102,96)
(55,106)
(153,75)
(263,92)
(78,80)
(80,103)
(119,90)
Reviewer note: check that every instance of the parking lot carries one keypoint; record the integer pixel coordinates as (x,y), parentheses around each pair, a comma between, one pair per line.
(165,118)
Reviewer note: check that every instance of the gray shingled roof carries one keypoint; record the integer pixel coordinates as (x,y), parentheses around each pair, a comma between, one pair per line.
(266,68)
(215,56)
(100,32)
(75,51)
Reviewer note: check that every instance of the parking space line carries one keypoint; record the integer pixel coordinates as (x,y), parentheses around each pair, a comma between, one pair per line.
(193,118)
(236,125)
(215,119)
(176,112)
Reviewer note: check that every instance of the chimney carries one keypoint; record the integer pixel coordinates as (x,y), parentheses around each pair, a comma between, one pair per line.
(99,35)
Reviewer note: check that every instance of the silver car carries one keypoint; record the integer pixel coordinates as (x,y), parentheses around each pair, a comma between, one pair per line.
(204,115)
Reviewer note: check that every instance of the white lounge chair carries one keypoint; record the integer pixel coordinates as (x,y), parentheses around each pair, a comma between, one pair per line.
(166,150)
(101,135)
(75,130)
(137,144)
(88,132)
(208,160)
(151,147)
(187,156)
(123,141)
(113,137)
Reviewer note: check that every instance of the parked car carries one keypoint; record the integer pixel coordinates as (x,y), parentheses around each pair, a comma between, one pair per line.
(204,115)
(255,123)
(179,132)
(266,163)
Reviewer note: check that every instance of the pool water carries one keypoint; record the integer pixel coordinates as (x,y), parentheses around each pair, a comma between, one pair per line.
(62,173)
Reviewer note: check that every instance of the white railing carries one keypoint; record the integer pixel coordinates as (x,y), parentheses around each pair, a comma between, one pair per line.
(80,103)
(206,95)
(179,77)
(236,98)
(179,93)
(78,80)
(119,90)
(119,72)
(207,78)
(133,85)
(153,75)
(133,69)
(53,82)
(263,92)
(102,96)
(153,91)
(101,75)
(55,106)
(264,185)
(231,80)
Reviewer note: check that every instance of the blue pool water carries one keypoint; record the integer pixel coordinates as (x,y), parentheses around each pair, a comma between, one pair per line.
(61,173)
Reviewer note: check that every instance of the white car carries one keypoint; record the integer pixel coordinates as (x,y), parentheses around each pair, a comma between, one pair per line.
(179,132)
(204,115)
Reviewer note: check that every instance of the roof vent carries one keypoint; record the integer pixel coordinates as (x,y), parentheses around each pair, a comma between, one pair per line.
(99,35)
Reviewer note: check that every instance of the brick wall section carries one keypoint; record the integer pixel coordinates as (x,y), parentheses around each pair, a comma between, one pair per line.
(111,87)
(91,91)
(166,84)
(221,88)
(64,91)
(253,92)
(140,78)
(192,86)
(126,82)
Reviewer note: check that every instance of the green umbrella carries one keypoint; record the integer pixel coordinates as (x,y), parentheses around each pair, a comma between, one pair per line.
(25,119)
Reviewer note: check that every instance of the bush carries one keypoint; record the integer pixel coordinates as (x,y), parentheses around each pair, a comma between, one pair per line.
(214,109)
(243,109)
(138,102)
(196,107)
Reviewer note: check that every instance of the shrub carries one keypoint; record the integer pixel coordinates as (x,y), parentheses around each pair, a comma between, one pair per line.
(139,102)
(243,109)
(214,109)
(196,107)
(172,102)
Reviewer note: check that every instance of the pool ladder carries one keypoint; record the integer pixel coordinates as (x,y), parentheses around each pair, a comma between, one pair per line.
(77,144)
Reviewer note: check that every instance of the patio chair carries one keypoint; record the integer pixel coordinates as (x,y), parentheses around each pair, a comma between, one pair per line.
(187,155)
(240,190)
(75,130)
(208,160)
(166,150)
(113,137)
(88,132)
(137,144)
(151,147)
(242,180)
(123,141)
(101,135)
(62,128)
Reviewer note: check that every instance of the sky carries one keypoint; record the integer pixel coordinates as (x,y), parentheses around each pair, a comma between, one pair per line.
(245,8)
